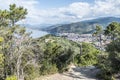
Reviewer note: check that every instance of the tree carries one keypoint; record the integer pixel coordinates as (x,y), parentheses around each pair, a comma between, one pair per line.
(1,59)
(89,55)
(4,18)
(22,48)
(110,60)
(12,16)
(16,14)
(17,43)
(56,56)
(114,54)
(113,30)
(18,50)
(98,33)
(109,63)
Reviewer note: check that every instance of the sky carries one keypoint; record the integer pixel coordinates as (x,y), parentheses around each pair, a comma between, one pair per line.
(64,11)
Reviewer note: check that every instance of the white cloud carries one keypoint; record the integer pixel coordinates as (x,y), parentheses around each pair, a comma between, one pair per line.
(70,13)
(107,7)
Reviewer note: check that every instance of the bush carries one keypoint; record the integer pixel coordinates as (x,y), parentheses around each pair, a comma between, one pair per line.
(31,72)
(11,78)
(109,63)
(1,39)
(48,68)
(64,60)
(89,55)
(105,76)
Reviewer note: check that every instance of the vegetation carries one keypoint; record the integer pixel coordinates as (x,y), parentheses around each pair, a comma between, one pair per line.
(109,60)
(58,53)
(15,44)
(61,52)
(88,57)
(11,78)
(22,57)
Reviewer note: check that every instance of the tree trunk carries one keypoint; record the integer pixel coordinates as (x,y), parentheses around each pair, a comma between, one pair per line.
(100,41)
(18,65)
(81,49)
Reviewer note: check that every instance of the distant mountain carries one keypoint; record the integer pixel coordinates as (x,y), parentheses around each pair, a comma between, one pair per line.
(87,26)
(36,26)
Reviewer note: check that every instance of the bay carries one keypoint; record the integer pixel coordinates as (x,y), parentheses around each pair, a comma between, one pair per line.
(36,33)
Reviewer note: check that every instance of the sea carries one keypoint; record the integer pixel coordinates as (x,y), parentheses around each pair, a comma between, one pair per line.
(36,33)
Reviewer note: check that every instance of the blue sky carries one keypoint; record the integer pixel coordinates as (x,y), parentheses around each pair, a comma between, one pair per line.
(62,11)
(46,4)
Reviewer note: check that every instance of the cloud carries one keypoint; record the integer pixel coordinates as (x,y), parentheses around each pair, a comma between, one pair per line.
(70,13)
(107,8)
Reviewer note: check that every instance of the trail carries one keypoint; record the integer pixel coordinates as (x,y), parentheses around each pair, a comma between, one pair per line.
(75,73)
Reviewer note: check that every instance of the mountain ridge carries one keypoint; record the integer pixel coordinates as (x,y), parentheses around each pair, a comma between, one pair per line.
(86,26)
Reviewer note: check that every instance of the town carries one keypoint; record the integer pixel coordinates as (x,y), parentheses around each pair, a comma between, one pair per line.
(77,37)
(87,38)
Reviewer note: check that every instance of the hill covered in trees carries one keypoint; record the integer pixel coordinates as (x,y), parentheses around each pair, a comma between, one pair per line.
(87,26)
(60,52)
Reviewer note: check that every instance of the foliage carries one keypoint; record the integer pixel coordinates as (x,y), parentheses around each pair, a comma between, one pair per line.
(98,30)
(104,65)
(62,52)
(4,15)
(98,34)
(1,59)
(48,68)
(114,55)
(15,43)
(1,39)
(1,55)
(31,72)
(16,14)
(27,58)
(89,55)
(62,61)
(109,62)
(55,55)
(113,30)
(11,78)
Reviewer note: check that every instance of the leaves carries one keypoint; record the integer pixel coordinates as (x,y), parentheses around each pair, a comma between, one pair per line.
(17,13)
(1,39)
(1,59)
(113,30)
(89,55)
(11,78)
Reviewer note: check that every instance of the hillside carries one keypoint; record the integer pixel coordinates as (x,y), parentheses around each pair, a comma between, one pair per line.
(66,44)
(86,26)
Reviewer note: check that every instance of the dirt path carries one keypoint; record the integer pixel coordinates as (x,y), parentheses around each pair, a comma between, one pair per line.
(76,73)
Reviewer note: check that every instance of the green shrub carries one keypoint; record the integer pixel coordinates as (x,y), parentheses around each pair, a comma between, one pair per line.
(1,39)
(105,76)
(88,56)
(11,78)
(64,60)
(31,72)
(48,68)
